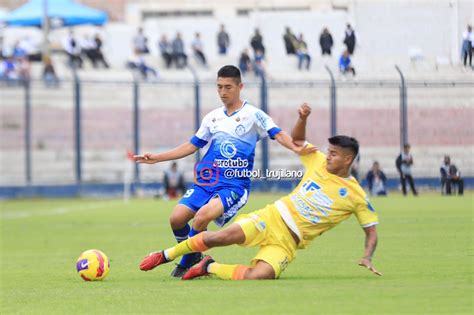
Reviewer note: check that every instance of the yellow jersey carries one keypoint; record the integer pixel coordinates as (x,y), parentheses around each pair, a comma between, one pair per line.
(322,200)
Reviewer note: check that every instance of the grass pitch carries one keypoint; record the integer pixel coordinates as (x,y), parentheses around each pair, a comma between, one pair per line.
(425,252)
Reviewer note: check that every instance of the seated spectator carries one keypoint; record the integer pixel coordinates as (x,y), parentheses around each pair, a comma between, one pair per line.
(290,41)
(73,50)
(326,42)
(256,42)
(140,42)
(223,40)
(450,175)
(302,53)
(376,180)
(49,74)
(88,48)
(259,63)
(9,70)
(166,51)
(99,56)
(173,182)
(245,64)
(345,64)
(197,47)
(137,63)
(179,57)
(24,68)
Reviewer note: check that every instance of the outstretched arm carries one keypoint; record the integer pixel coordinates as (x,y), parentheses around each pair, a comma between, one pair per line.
(370,245)
(177,153)
(285,140)
(299,130)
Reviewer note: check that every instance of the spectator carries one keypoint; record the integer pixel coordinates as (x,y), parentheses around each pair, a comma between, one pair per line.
(450,175)
(72,49)
(8,70)
(88,48)
(376,180)
(302,53)
(290,41)
(99,56)
(345,64)
(257,43)
(326,42)
(166,51)
(137,63)
(245,62)
(24,68)
(197,47)
(259,63)
(223,41)
(179,57)
(467,45)
(350,39)
(49,74)
(140,42)
(404,162)
(173,182)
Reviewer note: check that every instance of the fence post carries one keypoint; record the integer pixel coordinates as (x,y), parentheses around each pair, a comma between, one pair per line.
(333,108)
(77,127)
(197,106)
(264,107)
(27,86)
(403,110)
(136,127)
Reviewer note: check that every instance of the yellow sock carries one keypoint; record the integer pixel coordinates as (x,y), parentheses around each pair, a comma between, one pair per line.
(228,272)
(191,245)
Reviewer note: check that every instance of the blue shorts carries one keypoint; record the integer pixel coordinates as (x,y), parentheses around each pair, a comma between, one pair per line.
(232,199)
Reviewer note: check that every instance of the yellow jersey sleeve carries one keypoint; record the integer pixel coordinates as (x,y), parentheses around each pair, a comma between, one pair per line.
(366,214)
(312,160)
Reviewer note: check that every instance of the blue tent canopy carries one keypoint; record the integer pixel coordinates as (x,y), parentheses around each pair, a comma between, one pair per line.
(67,12)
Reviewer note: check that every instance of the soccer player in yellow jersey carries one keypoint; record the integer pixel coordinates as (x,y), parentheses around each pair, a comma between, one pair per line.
(326,196)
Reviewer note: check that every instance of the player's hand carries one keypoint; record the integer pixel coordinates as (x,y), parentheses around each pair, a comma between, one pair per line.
(147,158)
(364,262)
(304,111)
(304,150)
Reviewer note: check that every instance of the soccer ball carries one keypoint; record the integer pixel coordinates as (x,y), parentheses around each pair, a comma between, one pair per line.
(93,265)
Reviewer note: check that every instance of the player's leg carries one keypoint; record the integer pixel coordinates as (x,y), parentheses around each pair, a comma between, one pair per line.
(233,234)
(190,203)
(221,207)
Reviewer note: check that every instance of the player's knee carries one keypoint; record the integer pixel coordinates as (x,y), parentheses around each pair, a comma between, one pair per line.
(201,220)
(256,274)
(177,221)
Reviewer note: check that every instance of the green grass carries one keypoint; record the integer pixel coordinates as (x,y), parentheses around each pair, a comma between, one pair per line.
(425,252)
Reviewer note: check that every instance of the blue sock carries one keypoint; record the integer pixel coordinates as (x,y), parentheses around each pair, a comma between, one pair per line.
(188,258)
(182,234)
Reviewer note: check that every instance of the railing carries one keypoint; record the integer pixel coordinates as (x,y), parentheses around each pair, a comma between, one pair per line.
(260,88)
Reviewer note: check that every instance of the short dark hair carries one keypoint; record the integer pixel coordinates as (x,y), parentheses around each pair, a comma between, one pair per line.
(230,72)
(347,143)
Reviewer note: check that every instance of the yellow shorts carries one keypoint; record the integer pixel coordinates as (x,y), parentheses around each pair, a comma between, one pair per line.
(267,229)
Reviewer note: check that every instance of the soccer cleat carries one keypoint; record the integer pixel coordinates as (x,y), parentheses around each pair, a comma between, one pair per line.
(179,271)
(199,269)
(153,260)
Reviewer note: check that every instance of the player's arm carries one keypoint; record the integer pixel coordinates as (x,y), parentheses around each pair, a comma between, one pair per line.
(370,245)
(299,130)
(285,140)
(177,153)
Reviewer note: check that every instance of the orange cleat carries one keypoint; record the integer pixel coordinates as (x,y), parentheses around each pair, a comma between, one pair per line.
(198,270)
(153,260)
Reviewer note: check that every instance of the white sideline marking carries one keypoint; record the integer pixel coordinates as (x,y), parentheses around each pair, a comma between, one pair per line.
(21,214)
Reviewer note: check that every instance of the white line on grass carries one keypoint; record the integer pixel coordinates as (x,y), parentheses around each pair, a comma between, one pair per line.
(20,214)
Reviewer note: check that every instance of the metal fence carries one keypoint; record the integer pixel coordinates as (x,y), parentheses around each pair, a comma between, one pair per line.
(76,132)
